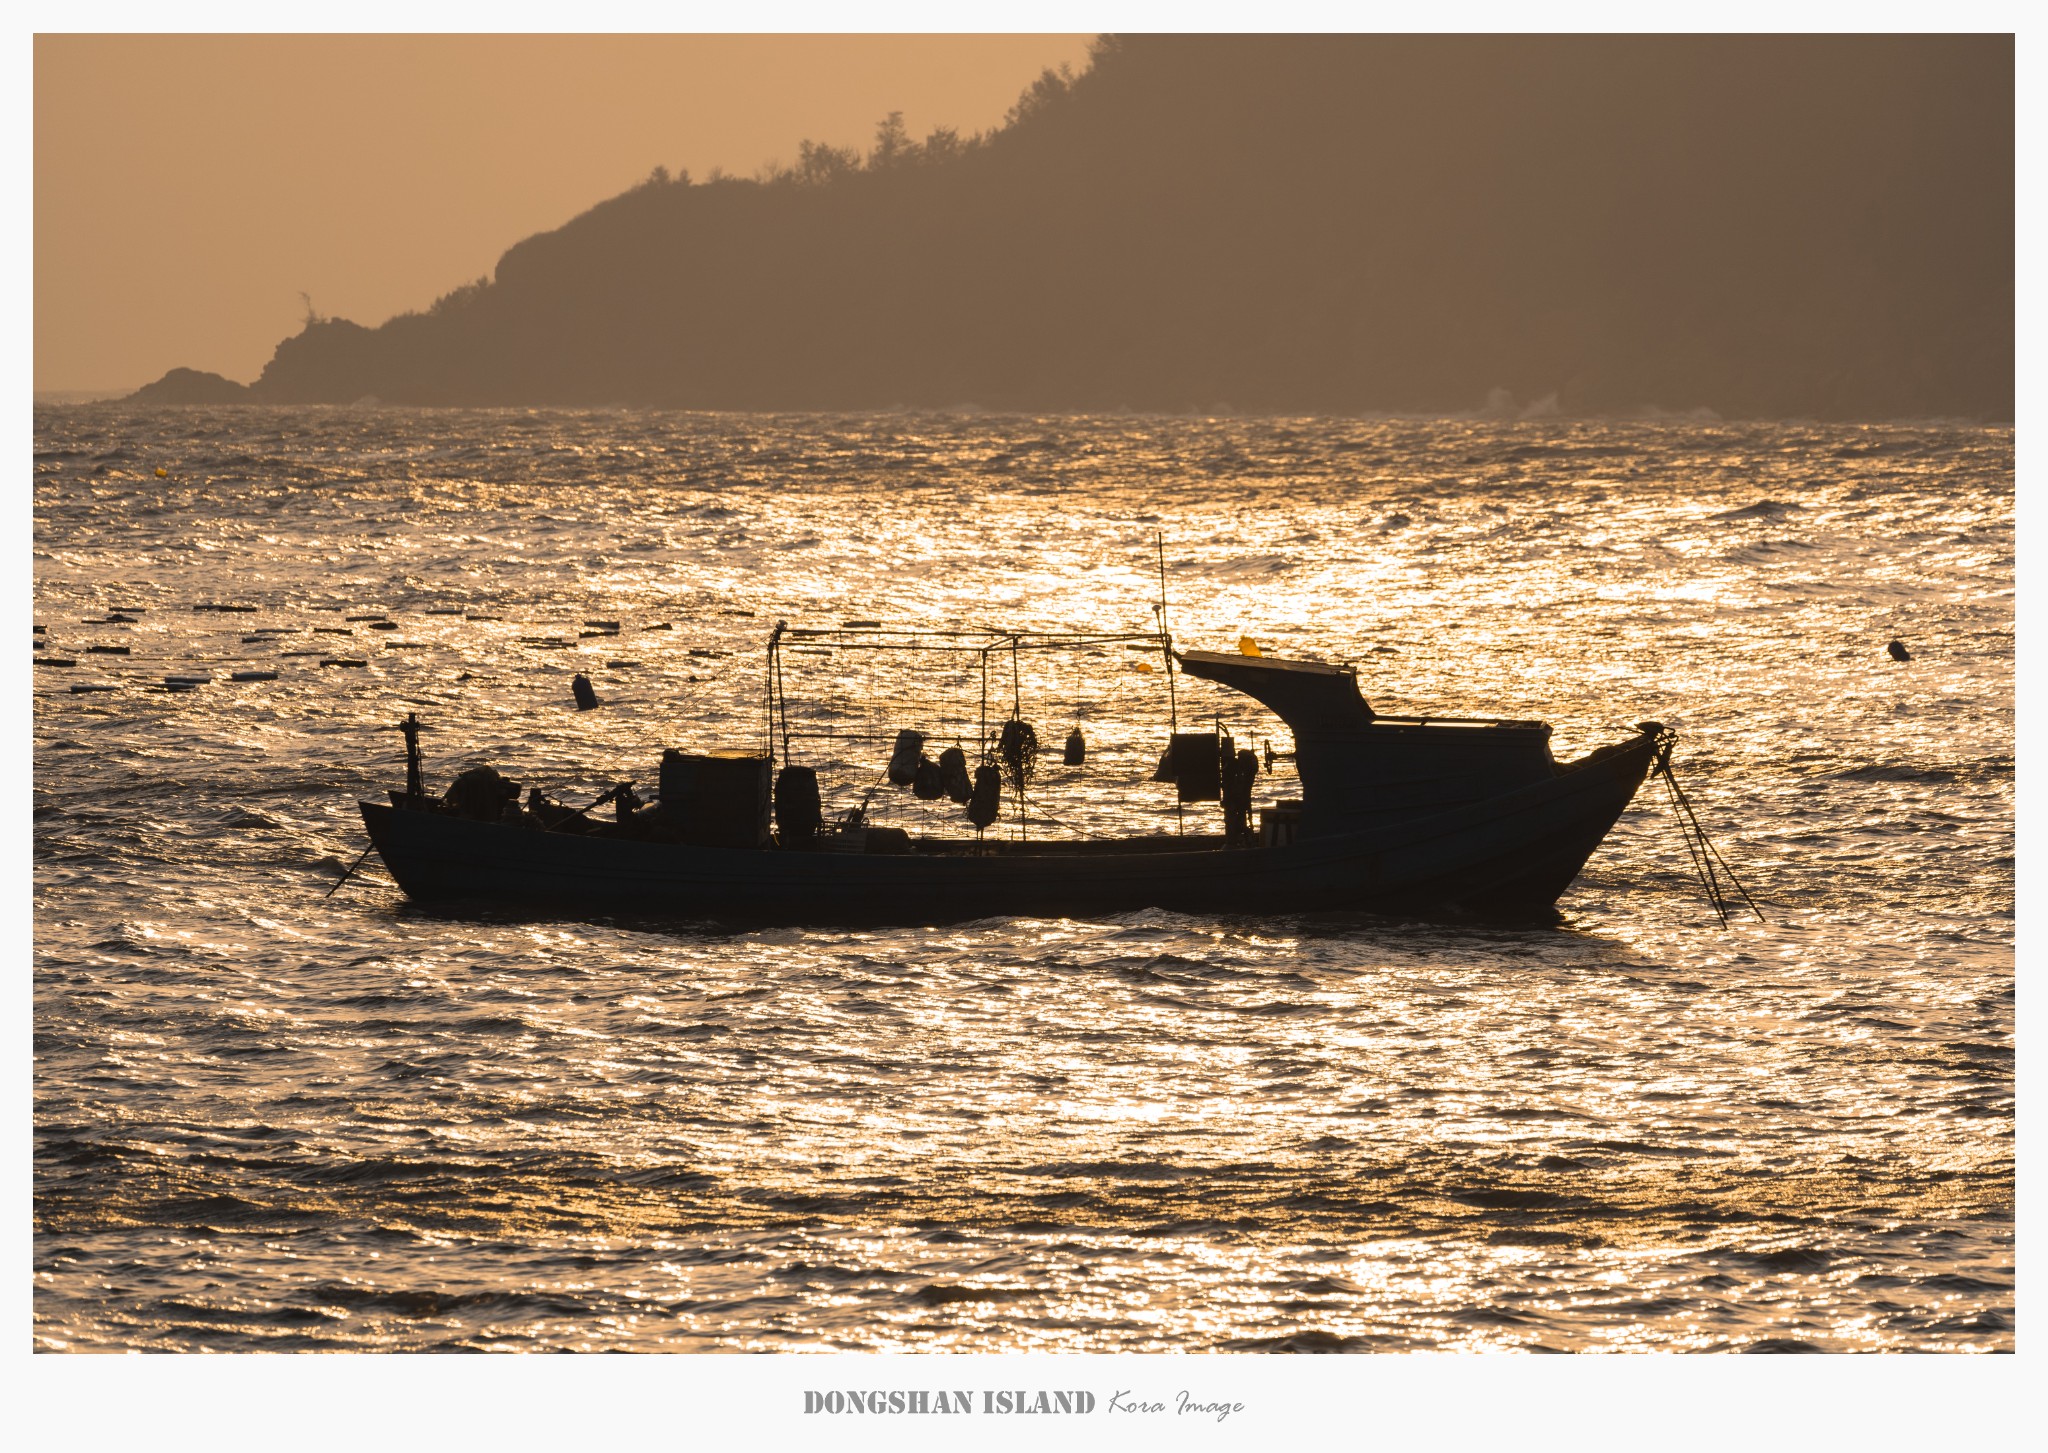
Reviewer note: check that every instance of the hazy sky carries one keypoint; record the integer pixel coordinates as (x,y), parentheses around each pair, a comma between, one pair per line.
(189,188)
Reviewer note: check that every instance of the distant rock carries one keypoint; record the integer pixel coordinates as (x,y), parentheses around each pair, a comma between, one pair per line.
(191,386)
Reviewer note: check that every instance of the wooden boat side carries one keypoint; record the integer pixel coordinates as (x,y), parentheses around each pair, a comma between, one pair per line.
(1512,854)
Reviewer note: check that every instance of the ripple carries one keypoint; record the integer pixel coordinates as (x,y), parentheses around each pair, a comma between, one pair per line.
(1145,1132)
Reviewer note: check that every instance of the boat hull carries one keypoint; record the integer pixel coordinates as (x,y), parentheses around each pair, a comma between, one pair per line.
(1509,856)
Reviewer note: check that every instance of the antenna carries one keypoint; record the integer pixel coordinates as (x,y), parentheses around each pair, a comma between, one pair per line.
(777,695)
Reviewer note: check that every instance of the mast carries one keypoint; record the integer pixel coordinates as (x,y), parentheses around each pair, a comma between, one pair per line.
(1180,817)
(1017,715)
(773,672)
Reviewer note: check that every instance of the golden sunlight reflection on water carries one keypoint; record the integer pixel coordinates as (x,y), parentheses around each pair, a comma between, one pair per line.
(272,1119)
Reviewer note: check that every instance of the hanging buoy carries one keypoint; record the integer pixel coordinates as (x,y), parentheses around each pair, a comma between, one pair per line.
(987,802)
(798,813)
(586,695)
(929,783)
(1198,765)
(1076,753)
(903,761)
(953,775)
(1246,646)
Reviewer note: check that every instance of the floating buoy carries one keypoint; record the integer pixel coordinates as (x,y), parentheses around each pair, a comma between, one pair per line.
(929,783)
(586,697)
(253,676)
(444,610)
(82,687)
(903,761)
(1076,753)
(343,661)
(987,802)
(187,680)
(1898,652)
(55,661)
(953,775)
(162,473)
(620,665)
(383,625)
(610,627)
(109,650)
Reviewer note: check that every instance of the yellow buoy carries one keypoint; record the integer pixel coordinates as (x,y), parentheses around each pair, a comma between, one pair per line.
(1145,666)
(162,473)
(1246,646)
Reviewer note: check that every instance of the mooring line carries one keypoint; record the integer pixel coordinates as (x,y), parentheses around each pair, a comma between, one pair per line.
(1704,855)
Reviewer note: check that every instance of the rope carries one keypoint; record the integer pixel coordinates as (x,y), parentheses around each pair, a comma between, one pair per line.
(1045,816)
(1704,856)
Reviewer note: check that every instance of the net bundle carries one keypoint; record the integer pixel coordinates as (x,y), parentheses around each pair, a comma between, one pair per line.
(1017,749)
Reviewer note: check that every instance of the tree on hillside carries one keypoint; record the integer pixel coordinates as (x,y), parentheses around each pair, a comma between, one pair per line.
(893,146)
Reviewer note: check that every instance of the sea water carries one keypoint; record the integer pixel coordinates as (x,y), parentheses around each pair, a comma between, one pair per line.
(268,1116)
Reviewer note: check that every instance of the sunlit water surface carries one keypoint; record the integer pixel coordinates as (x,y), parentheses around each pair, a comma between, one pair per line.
(271,1118)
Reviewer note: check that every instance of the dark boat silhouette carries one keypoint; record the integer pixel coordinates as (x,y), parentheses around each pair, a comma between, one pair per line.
(1398,815)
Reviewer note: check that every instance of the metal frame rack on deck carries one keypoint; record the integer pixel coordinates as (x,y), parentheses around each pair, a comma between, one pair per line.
(981,644)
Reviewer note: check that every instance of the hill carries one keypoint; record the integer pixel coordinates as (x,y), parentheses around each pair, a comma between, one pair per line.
(1766,226)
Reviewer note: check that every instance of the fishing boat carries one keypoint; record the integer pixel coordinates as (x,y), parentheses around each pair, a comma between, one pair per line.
(1405,815)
